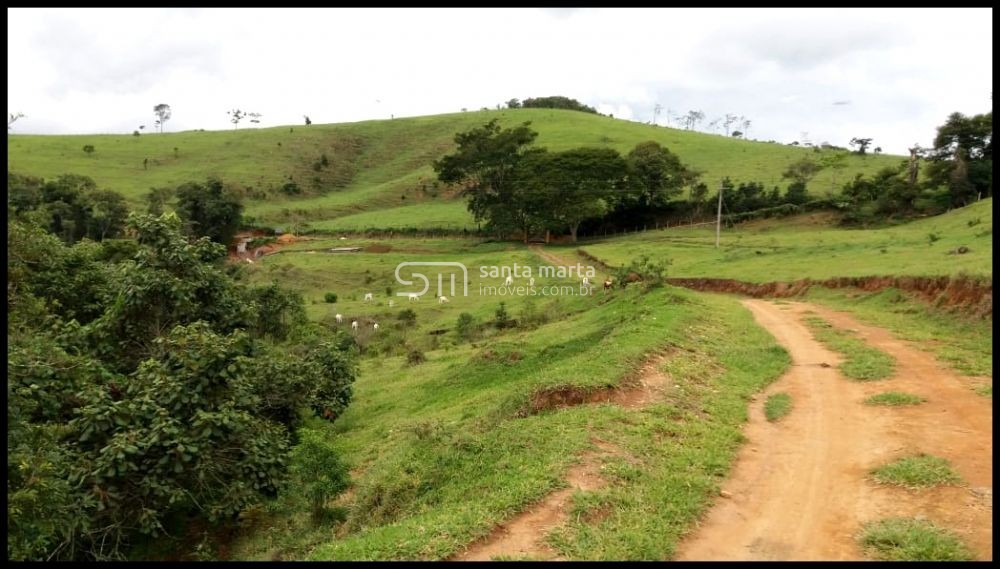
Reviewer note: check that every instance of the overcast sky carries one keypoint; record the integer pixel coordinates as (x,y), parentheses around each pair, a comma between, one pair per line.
(892,74)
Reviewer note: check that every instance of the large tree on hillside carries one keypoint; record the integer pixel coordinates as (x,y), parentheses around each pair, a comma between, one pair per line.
(655,175)
(484,164)
(962,157)
(570,187)
(209,210)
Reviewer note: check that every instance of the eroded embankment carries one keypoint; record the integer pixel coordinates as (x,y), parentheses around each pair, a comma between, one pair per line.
(970,295)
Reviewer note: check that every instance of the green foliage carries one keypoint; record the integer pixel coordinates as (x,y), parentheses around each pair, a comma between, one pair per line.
(373,184)
(556,102)
(157,200)
(415,357)
(484,164)
(466,327)
(71,207)
(330,297)
(962,158)
(88,148)
(796,194)
(209,210)
(862,144)
(642,269)
(146,386)
(317,472)
(802,170)
(919,471)
(408,317)
(501,318)
(656,175)
(908,539)
(562,189)
(894,399)
(777,406)
(861,361)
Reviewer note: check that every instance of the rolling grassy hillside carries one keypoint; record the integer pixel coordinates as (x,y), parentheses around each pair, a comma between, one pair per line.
(423,438)
(808,247)
(377,165)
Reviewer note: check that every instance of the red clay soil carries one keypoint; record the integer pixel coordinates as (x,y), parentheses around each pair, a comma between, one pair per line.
(967,294)
(799,489)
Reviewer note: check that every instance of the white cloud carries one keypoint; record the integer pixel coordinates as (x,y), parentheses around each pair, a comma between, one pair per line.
(102,70)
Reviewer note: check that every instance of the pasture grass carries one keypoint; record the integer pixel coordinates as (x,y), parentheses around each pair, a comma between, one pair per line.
(909,539)
(861,361)
(808,246)
(380,164)
(914,472)
(777,406)
(894,399)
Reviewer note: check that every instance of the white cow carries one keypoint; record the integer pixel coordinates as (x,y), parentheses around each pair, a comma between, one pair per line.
(340,318)
(531,281)
(509,281)
(392,303)
(442,299)
(414,296)
(354,325)
(369,297)
(375,326)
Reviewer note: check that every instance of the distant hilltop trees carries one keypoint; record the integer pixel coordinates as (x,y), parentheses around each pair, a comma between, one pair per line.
(556,102)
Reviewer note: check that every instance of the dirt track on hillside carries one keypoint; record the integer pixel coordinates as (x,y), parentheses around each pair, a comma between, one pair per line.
(799,488)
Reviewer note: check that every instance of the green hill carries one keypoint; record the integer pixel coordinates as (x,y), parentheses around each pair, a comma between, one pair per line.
(805,246)
(377,165)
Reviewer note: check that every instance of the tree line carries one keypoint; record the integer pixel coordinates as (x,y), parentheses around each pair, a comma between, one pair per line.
(514,187)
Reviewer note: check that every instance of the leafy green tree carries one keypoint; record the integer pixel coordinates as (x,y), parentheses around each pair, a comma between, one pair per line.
(484,164)
(164,391)
(962,158)
(557,102)
(88,148)
(24,193)
(209,210)
(317,470)
(796,194)
(572,186)
(108,211)
(466,326)
(699,192)
(513,104)
(157,200)
(656,175)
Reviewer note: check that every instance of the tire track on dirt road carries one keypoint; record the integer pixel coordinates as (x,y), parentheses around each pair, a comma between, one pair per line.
(799,489)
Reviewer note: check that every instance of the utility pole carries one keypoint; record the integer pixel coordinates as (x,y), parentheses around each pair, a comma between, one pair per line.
(718,218)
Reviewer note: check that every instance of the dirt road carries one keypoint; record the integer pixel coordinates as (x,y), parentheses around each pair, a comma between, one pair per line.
(799,489)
